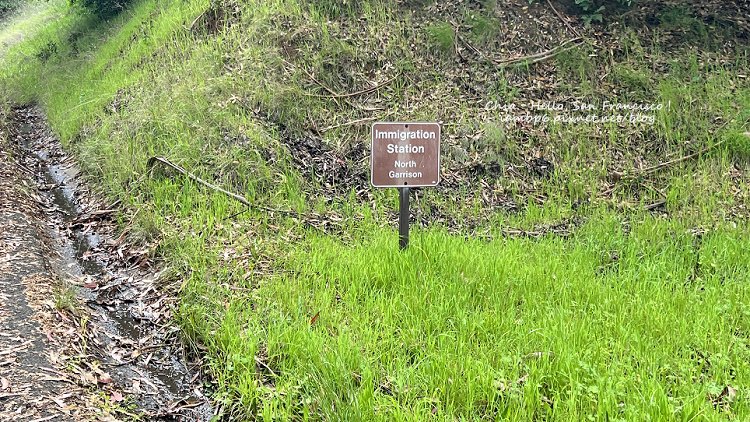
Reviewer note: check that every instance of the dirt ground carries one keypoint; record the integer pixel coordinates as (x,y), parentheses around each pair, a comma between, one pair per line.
(31,388)
(85,319)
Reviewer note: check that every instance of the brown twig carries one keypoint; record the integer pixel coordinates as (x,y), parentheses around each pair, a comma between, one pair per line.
(660,166)
(652,169)
(656,205)
(239,198)
(260,362)
(354,94)
(565,21)
(164,161)
(467,43)
(334,95)
(538,57)
(530,59)
(195,21)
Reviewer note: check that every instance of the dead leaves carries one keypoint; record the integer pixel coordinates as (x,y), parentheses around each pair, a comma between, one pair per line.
(84,349)
(724,399)
(315,318)
(116,397)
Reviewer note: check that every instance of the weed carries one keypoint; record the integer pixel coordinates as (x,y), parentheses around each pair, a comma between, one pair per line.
(483,28)
(65,298)
(442,36)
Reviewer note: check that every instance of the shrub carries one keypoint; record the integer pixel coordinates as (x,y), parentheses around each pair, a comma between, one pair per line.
(592,10)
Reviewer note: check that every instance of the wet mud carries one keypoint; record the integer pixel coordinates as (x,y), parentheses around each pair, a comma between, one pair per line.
(132,338)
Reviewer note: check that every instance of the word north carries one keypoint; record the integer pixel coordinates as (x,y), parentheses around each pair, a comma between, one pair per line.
(404,164)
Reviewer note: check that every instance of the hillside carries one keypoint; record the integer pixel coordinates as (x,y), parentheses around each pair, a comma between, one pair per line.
(584,256)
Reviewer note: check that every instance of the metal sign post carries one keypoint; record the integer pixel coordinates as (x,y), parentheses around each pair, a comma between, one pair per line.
(403,218)
(405,155)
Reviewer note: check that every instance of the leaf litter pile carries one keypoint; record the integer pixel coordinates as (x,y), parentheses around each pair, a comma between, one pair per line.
(85,330)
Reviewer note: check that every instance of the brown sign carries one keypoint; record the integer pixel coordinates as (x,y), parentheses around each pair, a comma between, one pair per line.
(405,155)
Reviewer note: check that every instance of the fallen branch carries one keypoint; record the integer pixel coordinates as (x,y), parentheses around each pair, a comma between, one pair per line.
(335,96)
(312,77)
(468,44)
(656,205)
(530,59)
(94,215)
(352,94)
(652,169)
(538,57)
(239,198)
(191,28)
(164,161)
(660,166)
(260,362)
(565,21)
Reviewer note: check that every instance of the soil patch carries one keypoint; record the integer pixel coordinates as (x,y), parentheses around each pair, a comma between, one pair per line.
(101,307)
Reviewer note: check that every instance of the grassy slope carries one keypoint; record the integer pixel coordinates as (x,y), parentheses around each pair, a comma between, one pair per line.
(26,21)
(634,315)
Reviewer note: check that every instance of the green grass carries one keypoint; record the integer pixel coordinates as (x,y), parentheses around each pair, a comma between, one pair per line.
(631,317)
(627,320)
(442,36)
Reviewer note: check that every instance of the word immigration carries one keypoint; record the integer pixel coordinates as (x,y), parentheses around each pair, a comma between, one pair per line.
(404,135)
(405,154)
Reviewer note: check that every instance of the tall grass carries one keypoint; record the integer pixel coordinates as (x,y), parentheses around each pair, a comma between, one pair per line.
(634,324)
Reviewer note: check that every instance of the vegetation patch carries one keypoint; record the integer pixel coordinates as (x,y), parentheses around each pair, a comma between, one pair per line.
(566,268)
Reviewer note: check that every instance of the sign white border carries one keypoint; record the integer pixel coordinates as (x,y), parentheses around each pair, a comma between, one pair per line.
(372,155)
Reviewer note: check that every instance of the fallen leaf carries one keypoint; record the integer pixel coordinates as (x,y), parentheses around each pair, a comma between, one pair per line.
(136,386)
(88,378)
(58,401)
(116,396)
(4,384)
(729,393)
(726,397)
